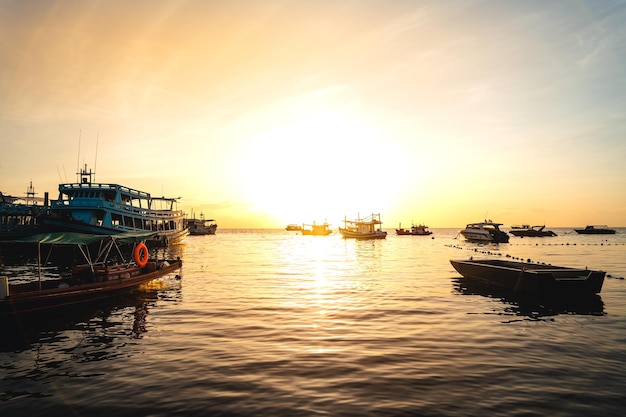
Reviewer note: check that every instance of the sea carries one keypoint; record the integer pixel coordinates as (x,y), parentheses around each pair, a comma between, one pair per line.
(273,323)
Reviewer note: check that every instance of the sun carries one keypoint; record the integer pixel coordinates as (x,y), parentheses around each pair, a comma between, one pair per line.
(319,167)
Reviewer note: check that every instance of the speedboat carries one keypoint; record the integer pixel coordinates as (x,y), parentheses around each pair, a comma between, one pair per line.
(487,232)
(596,230)
(531,231)
(367,228)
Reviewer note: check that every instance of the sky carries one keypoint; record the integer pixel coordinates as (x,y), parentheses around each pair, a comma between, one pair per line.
(264,113)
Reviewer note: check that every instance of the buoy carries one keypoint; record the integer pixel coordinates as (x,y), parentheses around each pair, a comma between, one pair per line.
(141,255)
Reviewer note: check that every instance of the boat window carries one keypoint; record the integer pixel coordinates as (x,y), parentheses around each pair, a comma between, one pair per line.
(128,221)
(116,219)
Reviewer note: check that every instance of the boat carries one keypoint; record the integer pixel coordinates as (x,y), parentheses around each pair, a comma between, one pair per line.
(201,226)
(531,231)
(596,230)
(367,228)
(529,278)
(415,230)
(102,208)
(19,215)
(293,228)
(316,229)
(487,231)
(111,264)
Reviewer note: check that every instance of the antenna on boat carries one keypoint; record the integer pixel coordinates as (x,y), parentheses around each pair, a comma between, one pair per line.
(80,132)
(95,163)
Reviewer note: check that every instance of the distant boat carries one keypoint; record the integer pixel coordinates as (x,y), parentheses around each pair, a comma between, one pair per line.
(531,231)
(99,278)
(101,208)
(486,231)
(527,278)
(293,228)
(18,215)
(316,229)
(367,228)
(415,230)
(201,226)
(596,230)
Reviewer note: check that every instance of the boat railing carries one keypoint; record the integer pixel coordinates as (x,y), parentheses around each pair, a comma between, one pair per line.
(104,186)
(139,211)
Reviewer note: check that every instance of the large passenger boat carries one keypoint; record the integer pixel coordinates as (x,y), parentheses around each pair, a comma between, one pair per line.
(101,208)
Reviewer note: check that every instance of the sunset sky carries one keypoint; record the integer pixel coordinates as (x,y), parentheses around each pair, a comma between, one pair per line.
(263,113)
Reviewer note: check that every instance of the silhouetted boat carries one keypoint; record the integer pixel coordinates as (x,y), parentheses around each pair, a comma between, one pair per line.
(106,273)
(531,231)
(293,228)
(538,279)
(316,229)
(486,231)
(201,226)
(367,228)
(596,230)
(18,215)
(415,230)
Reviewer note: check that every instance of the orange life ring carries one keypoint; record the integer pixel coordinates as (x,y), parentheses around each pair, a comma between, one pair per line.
(141,255)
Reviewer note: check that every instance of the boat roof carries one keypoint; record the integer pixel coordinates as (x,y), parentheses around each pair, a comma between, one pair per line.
(73,238)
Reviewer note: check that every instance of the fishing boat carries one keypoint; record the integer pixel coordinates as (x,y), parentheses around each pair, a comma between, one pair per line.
(19,215)
(531,231)
(293,228)
(101,208)
(485,232)
(596,230)
(201,226)
(119,263)
(529,278)
(316,229)
(415,230)
(367,228)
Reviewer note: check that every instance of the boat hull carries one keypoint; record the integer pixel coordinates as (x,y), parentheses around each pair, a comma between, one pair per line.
(486,237)
(349,234)
(536,279)
(532,233)
(40,302)
(595,231)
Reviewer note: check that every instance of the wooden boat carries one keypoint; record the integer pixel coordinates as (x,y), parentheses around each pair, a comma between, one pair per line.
(293,228)
(415,230)
(316,229)
(98,208)
(596,230)
(18,215)
(201,226)
(531,231)
(528,278)
(96,279)
(367,228)
(485,232)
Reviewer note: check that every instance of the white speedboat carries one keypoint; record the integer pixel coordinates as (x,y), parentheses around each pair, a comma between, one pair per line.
(487,232)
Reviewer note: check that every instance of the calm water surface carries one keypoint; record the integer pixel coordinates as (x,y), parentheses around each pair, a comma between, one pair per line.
(271,323)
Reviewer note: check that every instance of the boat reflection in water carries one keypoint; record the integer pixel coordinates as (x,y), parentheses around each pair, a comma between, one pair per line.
(530,305)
